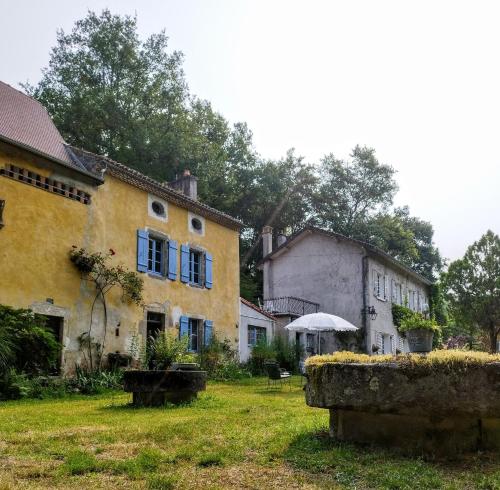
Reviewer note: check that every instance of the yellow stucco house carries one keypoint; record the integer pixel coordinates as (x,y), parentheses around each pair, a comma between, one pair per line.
(54,196)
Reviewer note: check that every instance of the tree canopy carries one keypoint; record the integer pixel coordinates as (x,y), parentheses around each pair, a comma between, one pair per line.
(112,93)
(472,285)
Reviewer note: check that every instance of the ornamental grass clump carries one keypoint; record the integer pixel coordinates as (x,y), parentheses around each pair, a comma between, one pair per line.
(438,358)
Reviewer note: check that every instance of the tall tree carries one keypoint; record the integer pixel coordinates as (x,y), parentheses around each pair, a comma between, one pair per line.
(407,238)
(428,261)
(352,191)
(113,94)
(472,285)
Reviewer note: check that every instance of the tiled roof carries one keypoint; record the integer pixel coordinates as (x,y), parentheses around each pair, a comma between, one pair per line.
(26,123)
(96,163)
(331,234)
(257,309)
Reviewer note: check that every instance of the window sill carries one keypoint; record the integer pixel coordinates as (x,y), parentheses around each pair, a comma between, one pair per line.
(154,275)
(197,286)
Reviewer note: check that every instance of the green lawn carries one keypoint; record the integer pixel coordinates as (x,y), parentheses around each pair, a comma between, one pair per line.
(236,435)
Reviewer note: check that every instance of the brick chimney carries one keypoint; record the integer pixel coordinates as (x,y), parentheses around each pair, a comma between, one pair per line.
(267,240)
(187,184)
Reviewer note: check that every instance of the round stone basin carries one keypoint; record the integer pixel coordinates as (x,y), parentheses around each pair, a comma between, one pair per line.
(441,410)
(155,388)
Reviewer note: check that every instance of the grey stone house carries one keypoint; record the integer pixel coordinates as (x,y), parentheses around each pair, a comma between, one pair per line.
(316,270)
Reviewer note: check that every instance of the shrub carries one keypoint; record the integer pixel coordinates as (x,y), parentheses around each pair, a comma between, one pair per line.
(285,352)
(165,349)
(288,353)
(262,351)
(94,382)
(400,313)
(417,321)
(25,343)
(221,361)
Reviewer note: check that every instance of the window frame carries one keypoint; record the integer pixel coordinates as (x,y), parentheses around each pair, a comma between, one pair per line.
(397,295)
(257,334)
(201,269)
(193,323)
(380,285)
(155,238)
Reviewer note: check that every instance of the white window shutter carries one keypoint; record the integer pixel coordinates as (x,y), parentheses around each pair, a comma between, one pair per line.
(393,344)
(401,344)
(393,291)
(386,287)
(375,283)
(380,342)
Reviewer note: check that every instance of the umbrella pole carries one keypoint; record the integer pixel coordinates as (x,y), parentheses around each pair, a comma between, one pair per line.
(319,342)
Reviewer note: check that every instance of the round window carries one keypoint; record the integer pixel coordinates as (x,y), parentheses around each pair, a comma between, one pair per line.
(196,224)
(158,208)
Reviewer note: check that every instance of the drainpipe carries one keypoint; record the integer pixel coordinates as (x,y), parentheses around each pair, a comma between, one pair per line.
(364,314)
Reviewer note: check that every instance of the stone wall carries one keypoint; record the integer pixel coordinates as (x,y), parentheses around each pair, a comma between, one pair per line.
(438,410)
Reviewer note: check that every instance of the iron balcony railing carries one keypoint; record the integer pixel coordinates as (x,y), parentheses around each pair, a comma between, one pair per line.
(288,305)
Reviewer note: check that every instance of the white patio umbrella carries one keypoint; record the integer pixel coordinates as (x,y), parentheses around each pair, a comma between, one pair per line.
(320,322)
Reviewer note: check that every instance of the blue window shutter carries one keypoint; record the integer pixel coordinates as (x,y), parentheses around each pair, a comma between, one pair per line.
(207,333)
(142,250)
(208,271)
(183,326)
(184,263)
(172,260)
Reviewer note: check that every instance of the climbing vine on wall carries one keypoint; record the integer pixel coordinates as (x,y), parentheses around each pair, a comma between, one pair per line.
(96,268)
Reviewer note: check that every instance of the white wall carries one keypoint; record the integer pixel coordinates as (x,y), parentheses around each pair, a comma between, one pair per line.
(249,316)
(322,269)
(329,271)
(382,329)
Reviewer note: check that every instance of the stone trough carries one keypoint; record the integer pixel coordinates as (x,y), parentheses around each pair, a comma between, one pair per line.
(155,388)
(439,411)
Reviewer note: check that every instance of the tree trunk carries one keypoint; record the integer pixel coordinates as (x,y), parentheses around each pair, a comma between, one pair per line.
(493,338)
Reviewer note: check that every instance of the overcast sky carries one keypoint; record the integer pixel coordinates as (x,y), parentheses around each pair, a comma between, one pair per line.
(418,81)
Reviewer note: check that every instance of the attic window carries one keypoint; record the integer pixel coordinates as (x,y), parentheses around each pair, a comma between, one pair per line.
(197,224)
(45,183)
(158,208)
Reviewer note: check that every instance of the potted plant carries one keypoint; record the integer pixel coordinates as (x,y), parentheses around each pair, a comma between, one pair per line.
(419,332)
(167,373)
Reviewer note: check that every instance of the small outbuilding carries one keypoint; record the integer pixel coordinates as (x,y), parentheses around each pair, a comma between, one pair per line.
(255,325)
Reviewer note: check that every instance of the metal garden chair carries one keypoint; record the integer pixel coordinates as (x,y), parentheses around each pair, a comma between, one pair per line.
(276,375)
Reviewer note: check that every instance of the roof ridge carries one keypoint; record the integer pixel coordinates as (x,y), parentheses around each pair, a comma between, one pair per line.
(257,308)
(164,186)
(362,243)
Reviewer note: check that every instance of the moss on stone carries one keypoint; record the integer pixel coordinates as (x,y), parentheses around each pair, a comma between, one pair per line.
(437,358)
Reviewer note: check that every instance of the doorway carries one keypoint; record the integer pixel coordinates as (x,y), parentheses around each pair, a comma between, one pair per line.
(55,324)
(154,325)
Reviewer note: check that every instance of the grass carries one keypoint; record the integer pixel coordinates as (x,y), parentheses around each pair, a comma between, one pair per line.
(236,435)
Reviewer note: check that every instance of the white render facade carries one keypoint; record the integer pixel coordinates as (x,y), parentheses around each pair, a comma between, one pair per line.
(255,325)
(347,278)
